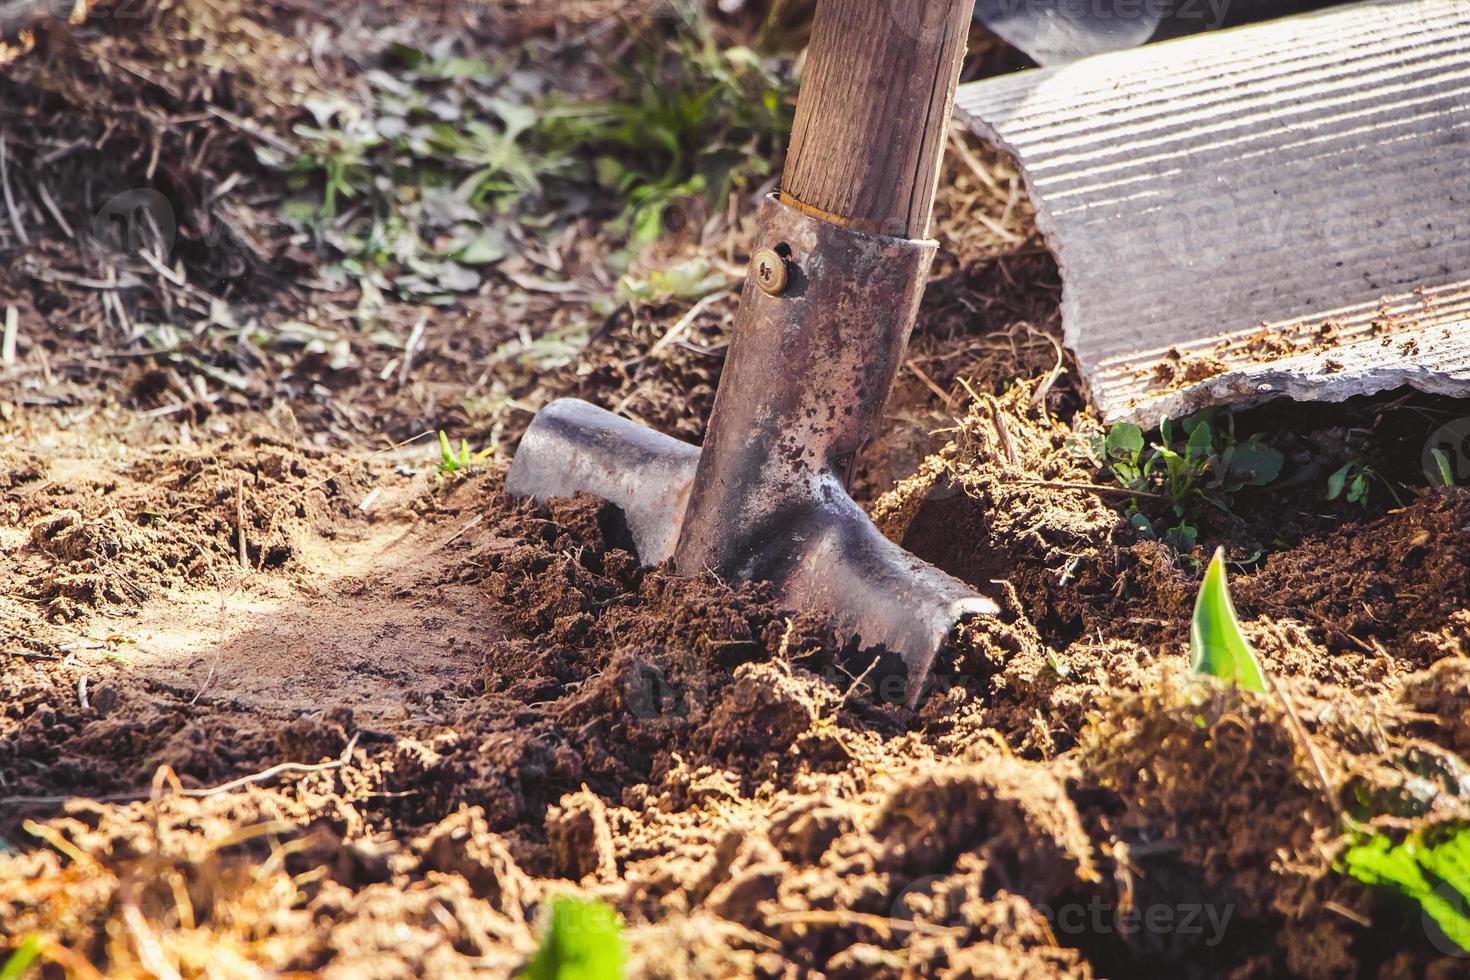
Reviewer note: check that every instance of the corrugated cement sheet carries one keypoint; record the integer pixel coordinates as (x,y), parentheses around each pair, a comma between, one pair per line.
(1280,209)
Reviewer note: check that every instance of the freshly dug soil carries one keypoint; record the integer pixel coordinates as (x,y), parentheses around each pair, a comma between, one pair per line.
(486,701)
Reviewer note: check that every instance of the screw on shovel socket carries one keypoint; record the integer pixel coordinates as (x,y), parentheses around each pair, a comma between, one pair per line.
(801,392)
(769,270)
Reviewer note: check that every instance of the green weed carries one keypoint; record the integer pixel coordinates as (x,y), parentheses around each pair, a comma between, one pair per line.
(1430,867)
(453,164)
(339,148)
(1217,645)
(1354,481)
(553,349)
(1198,462)
(460,461)
(695,121)
(583,941)
(689,279)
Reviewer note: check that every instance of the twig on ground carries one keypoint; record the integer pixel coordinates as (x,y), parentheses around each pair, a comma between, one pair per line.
(1349,914)
(1038,397)
(856,683)
(10,208)
(1301,733)
(150,949)
(33,655)
(301,494)
(1002,430)
(913,365)
(12,331)
(470,524)
(844,917)
(243,551)
(250,129)
(50,203)
(277,770)
(680,327)
(223,607)
(411,348)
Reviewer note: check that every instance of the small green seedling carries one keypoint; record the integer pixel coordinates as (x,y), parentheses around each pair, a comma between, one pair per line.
(341,154)
(1353,481)
(19,961)
(452,462)
(1198,461)
(1218,647)
(1430,867)
(583,941)
(1442,463)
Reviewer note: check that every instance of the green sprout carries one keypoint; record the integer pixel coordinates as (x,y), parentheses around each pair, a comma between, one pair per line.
(1442,462)
(1430,867)
(19,961)
(1218,647)
(583,941)
(463,460)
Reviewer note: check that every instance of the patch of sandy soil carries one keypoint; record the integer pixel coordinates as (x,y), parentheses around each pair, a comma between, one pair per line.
(369,624)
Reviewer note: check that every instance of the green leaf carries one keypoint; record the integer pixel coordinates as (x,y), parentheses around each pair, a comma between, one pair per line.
(1358,489)
(516,116)
(1218,647)
(1337,481)
(1191,422)
(456,67)
(1129,475)
(1182,537)
(410,56)
(1254,464)
(488,246)
(1090,445)
(1201,441)
(1166,454)
(548,352)
(647,223)
(583,941)
(1124,441)
(1430,867)
(1442,461)
(20,961)
(690,279)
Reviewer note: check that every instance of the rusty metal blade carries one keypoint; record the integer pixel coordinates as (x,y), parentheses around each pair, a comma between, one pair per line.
(573,447)
(1275,210)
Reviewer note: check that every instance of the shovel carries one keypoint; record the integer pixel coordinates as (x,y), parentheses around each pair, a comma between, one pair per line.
(829,300)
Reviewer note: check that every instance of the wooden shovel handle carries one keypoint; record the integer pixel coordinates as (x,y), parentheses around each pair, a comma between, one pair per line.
(876,97)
